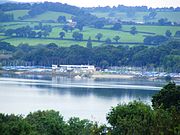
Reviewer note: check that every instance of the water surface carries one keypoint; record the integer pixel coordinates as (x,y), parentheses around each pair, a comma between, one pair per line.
(84,98)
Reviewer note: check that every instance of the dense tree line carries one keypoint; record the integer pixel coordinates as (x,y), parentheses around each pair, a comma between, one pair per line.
(134,118)
(154,40)
(15,6)
(122,8)
(166,55)
(46,123)
(29,32)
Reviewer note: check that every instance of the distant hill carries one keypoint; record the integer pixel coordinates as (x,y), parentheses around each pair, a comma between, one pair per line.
(51,15)
(51,9)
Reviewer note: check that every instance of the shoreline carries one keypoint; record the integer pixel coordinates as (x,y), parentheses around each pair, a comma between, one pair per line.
(96,75)
(111,76)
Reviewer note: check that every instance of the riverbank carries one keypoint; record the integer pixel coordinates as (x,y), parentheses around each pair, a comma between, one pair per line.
(95,75)
(111,76)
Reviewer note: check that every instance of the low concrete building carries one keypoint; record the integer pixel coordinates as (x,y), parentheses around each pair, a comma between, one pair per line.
(77,69)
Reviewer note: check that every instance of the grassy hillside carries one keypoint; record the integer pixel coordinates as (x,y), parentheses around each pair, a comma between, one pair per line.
(18,13)
(159,30)
(49,15)
(172,16)
(88,31)
(125,36)
(91,32)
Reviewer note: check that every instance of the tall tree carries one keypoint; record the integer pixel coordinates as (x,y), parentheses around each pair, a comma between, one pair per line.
(79,26)
(65,28)
(61,19)
(117,26)
(62,35)
(99,36)
(168,97)
(133,30)
(99,24)
(89,43)
(116,38)
(168,33)
(108,41)
(77,36)
(134,118)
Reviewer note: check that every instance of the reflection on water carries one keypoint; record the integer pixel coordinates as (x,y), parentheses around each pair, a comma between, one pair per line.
(85,98)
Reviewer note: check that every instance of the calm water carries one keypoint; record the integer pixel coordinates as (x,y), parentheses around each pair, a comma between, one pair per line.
(85,98)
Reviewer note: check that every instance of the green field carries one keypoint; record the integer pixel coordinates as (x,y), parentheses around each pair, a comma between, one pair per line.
(49,15)
(2,37)
(125,36)
(65,43)
(14,25)
(159,30)
(91,32)
(172,16)
(18,13)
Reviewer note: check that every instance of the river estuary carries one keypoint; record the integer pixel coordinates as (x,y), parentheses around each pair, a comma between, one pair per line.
(84,98)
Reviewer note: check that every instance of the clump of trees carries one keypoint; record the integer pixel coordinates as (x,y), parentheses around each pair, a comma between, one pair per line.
(164,21)
(89,43)
(158,39)
(79,26)
(177,34)
(99,36)
(116,38)
(61,19)
(77,36)
(47,123)
(66,28)
(116,26)
(108,41)
(133,30)
(27,31)
(167,98)
(138,118)
(62,35)
(99,24)
(168,33)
